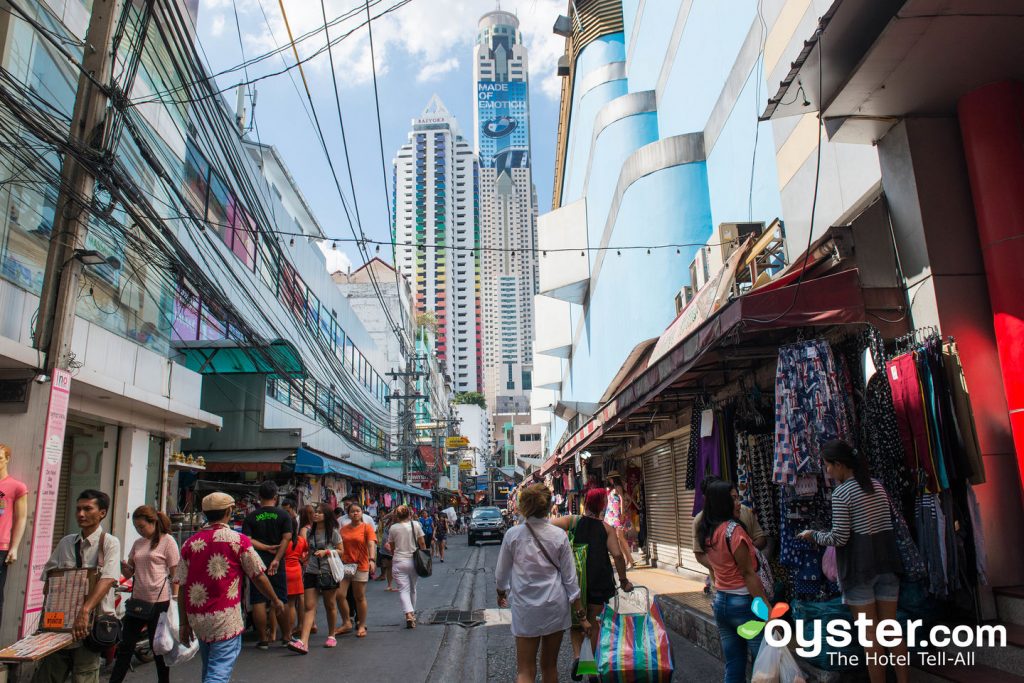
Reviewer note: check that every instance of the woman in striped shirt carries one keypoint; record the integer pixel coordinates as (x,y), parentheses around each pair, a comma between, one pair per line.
(865,542)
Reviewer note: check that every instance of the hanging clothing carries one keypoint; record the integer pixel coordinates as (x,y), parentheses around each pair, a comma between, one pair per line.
(808,408)
(933,419)
(908,403)
(709,459)
(758,449)
(693,446)
(961,405)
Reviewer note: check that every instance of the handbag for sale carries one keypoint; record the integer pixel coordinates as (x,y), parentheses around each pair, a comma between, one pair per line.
(106,628)
(422,559)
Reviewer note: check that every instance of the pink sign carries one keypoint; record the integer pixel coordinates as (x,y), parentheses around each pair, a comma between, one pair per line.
(46,501)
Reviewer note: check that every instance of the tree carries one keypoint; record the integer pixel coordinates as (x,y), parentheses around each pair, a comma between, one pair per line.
(470,398)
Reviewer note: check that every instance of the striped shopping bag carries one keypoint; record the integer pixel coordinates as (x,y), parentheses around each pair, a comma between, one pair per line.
(634,648)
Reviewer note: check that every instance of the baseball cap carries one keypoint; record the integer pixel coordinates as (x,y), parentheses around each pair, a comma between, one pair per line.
(217,501)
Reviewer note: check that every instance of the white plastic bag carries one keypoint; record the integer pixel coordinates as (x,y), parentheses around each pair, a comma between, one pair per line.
(766,666)
(336,565)
(587,665)
(776,665)
(164,639)
(181,653)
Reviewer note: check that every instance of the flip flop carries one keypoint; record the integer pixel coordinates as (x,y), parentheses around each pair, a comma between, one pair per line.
(343,631)
(298,647)
(361,633)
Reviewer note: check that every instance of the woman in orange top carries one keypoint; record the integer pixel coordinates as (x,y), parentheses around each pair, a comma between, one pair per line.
(295,557)
(359,543)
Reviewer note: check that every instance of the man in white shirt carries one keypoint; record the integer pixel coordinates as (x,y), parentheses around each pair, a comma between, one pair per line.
(90,548)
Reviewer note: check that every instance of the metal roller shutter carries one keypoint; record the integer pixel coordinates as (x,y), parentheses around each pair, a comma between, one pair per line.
(684,506)
(660,492)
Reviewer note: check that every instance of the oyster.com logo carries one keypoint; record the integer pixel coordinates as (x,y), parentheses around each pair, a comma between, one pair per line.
(751,629)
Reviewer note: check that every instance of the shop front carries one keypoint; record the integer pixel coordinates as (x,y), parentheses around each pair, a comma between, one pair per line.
(753,392)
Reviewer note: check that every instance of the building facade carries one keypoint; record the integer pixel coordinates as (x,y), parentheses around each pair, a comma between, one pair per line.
(508,206)
(683,121)
(437,236)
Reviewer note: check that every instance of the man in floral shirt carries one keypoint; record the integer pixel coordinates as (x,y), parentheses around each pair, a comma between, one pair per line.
(210,572)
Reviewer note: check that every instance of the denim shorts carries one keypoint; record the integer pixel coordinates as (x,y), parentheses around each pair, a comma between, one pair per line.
(882,587)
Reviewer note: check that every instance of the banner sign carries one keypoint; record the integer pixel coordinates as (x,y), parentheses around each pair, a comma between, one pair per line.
(503,112)
(46,500)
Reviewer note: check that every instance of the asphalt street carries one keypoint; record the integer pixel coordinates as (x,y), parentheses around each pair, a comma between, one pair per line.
(484,650)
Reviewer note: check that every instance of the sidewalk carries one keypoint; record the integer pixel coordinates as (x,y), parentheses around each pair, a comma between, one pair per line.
(684,606)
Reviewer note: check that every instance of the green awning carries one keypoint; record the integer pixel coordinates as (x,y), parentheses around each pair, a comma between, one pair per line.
(229,357)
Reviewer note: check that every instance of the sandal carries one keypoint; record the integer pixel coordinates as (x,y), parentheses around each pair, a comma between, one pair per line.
(330,642)
(410,622)
(298,647)
(343,631)
(361,633)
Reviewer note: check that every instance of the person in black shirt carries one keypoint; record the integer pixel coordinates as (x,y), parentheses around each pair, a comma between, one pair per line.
(270,528)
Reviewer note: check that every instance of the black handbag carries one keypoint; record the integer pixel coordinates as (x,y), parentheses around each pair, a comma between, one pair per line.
(106,628)
(141,609)
(324,578)
(421,559)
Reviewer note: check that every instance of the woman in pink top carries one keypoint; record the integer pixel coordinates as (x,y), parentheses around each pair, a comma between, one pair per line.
(152,565)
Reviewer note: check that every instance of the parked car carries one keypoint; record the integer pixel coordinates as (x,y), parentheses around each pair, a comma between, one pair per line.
(486,524)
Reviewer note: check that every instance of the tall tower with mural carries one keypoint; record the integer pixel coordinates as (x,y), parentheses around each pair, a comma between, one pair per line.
(508,214)
(437,235)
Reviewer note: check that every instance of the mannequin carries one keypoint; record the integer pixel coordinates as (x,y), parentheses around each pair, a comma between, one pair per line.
(13,514)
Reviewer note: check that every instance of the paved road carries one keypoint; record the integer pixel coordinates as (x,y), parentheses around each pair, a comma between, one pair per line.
(431,652)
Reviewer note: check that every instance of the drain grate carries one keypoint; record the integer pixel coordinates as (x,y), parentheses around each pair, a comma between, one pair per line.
(457,617)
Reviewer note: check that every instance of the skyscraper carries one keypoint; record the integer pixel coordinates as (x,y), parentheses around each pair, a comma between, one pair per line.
(437,235)
(508,211)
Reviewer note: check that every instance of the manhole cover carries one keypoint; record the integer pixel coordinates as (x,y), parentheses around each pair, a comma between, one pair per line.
(458,617)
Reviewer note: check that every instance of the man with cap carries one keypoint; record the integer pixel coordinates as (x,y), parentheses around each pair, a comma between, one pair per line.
(213,562)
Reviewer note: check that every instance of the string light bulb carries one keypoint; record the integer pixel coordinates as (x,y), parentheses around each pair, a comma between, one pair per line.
(582,253)
(648,252)
(291,242)
(334,246)
(618,252)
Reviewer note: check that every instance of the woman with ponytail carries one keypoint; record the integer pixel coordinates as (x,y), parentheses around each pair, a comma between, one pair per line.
(152,565)
(866,552)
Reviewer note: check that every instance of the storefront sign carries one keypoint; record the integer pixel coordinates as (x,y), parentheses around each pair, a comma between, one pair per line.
(46,500)
(466,465)
(456,442)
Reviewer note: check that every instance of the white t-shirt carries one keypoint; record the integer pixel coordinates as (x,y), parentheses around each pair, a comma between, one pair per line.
(402,537)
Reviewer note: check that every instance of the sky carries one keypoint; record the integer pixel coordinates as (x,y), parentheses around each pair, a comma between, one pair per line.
(421,48)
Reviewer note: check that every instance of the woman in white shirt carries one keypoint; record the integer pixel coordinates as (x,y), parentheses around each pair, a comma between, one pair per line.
(404,537)
(536,564)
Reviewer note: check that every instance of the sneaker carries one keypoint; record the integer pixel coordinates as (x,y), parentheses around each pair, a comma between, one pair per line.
(330,642)
(263,645)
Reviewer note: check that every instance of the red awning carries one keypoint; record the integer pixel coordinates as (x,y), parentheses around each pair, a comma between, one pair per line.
(834,299)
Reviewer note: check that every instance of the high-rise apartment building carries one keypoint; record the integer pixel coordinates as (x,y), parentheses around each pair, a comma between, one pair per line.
(508,214)
(436,228)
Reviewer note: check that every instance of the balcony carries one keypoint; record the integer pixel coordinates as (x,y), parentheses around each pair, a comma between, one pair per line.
(562,233)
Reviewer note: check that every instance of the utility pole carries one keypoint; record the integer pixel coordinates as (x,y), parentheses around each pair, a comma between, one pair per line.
(408,417)
(59,298)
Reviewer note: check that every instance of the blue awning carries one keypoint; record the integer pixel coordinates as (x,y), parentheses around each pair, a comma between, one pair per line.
(310,462)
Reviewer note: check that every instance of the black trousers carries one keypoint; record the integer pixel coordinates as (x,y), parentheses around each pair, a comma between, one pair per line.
(131,628)
(3,579)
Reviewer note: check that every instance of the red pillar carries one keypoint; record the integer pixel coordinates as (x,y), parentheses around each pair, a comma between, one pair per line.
(992,125)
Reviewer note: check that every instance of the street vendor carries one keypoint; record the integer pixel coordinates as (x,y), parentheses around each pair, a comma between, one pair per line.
(90,548)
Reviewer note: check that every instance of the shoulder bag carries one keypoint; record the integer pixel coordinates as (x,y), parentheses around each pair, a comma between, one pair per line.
(421,559)
(325,577)
(764,572)
(106,628)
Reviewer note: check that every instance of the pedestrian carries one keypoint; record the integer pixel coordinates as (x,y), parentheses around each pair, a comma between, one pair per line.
(602,548)
(746,517)
(213,563)
(730,552)
(867,555)
(295,557)
(91,547)
(440,535)
(404,537)
(270,528)
(535,565)
(348,596)
(360,542)
(152,566)
(291,506)
(384,558)
(323,539)
(617,515)
(427,524)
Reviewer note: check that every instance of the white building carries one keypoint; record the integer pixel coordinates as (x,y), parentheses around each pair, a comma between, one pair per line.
(508,209)
(436,230)
(475,426)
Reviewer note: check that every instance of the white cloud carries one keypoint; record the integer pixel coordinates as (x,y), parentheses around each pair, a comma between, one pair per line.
(336,258)
(217,26)
(435,70)
(433,33)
